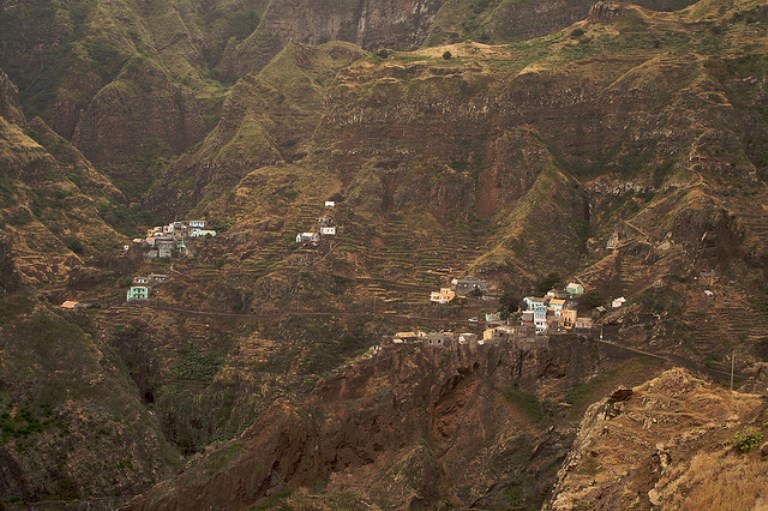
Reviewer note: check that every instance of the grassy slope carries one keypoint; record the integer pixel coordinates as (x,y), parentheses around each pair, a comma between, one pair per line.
(70,422)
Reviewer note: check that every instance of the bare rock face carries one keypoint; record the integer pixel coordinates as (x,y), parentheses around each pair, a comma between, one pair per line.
(399,24)
(605,11)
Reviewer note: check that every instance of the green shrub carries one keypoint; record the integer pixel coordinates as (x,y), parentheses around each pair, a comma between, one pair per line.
(75,245)
(447,55)
(194,365)
(746,439)
(593,299)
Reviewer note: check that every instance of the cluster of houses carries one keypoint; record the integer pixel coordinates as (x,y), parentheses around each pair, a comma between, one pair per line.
(445,339)
(168,241)
(435,339)
(142,286)
(556,311)
(326,226)
(460,288)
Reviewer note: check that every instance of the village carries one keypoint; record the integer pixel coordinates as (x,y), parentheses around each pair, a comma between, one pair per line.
(557,312)
(165,242)
(537,317)
(326,224)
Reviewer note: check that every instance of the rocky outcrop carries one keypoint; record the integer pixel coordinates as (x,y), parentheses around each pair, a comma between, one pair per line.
(640,449)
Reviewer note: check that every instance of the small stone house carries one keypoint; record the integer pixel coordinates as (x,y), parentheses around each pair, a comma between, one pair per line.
(583,324)
(307,237)
(618,302)
(438,339)
(328,231)
(569,318)
(499,333)
(158,278)
(326,221)
(406,337)
(469,286)
(330,204)
(527,317)
(141,281)
(557,293)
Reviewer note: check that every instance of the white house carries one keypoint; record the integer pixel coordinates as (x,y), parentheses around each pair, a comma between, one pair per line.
(330,204)
(202,233)
(307,237)
(328,231)
(199,224)
(618,302)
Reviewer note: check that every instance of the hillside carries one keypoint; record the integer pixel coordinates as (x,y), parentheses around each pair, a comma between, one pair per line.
(669,445)
(618,145)
(55,207)
(636,123)
(410,427)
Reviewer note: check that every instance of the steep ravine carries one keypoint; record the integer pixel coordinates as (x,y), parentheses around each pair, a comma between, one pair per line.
(411,428)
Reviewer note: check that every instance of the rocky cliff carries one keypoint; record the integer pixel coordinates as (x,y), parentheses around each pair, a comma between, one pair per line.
(413,427)
(671,443)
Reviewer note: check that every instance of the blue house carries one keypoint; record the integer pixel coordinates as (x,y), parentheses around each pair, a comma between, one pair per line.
(540,317)
(532,301)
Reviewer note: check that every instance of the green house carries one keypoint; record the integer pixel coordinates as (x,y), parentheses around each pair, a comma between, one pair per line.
(574,289)
(138,293)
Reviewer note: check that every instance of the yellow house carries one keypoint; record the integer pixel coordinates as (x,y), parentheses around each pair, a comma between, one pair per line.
(443,296)
(569,318)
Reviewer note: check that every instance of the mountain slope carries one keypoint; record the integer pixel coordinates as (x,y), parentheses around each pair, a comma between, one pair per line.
(666,447)
(54,203)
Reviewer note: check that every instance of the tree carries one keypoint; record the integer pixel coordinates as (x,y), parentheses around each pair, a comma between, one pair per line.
(447,55)
(593,299)
(550,281)
(510,298)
